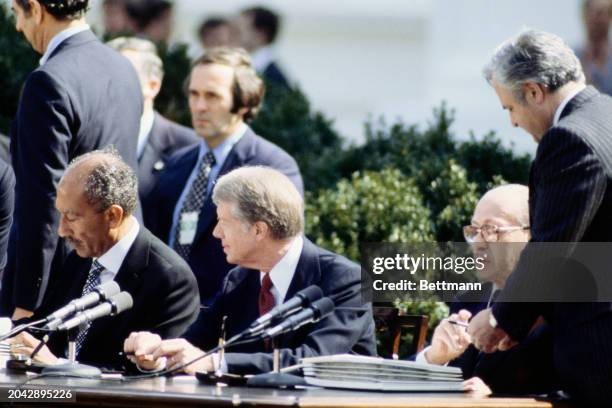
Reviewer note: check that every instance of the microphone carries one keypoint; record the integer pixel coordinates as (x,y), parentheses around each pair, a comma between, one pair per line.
(301,299)
(314,313)
(99,293)
(113,306)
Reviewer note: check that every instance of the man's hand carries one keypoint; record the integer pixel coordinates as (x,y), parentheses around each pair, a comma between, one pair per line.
(449,340)
(25,343)
(476,387)
(20,313)
(179,352)
(143,345)
(486,337)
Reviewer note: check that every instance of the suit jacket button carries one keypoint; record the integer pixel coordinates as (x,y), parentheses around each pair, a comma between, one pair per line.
(159,165)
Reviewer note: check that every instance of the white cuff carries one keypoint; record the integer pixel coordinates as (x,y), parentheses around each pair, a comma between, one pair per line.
(421,357)
(492,320)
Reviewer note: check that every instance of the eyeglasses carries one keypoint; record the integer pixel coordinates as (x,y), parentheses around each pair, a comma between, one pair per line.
(490,233)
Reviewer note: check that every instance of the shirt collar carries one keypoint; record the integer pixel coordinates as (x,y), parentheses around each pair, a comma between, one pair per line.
(222,150)
(261,58)
(59,38)
(563,104)
(282,273)
(146,124)
(112,259)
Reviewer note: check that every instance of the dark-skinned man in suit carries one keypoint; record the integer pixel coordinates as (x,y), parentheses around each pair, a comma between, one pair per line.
(96,199)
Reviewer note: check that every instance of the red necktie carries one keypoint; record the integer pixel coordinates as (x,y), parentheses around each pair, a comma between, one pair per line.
(266,299)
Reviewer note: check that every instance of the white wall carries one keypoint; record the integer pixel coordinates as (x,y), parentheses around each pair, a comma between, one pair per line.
(398,58)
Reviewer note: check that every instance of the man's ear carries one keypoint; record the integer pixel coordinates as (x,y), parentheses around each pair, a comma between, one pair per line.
(154,86)
(36,11)
(261,230)
(534,93)
(115,215)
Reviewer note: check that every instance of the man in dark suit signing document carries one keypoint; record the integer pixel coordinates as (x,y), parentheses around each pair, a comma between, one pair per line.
(96,199)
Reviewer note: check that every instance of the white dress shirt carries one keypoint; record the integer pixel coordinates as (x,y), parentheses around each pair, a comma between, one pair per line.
(563,104)
(146,125)
(60,38)
(112,259)
(282,273)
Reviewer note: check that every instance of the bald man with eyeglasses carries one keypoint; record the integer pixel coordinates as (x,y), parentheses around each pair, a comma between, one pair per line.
(498,231)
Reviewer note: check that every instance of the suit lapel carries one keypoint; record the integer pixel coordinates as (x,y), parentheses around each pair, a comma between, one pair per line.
(307,272)
(153,149)
(130,274)
(170,185)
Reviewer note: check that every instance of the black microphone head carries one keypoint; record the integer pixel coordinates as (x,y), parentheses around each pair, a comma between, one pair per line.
(108,289)
(310,294)
(121,302)
(322,307)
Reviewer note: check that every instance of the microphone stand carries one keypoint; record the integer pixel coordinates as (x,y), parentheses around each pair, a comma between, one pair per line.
(275,379)
(72,367)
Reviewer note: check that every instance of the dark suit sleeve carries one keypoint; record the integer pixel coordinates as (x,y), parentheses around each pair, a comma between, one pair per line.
(204,332)
(179,309)
(336,334)
(7,204)
(42,137)
(569,184)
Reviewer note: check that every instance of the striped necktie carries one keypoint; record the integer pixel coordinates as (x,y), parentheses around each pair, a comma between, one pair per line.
(93,280)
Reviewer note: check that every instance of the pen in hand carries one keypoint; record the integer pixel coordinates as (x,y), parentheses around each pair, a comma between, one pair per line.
(458,323)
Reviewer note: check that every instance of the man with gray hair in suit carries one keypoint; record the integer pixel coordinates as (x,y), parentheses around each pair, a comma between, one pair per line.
(540,82)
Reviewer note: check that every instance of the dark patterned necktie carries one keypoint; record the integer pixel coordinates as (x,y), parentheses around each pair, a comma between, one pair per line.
(93,280)
(194,201)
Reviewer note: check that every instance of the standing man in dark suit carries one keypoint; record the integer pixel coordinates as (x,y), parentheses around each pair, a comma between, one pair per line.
(96,199)
(258,28)
(82,97)
(224,91)
(539,80)
(159,137)
(260,226)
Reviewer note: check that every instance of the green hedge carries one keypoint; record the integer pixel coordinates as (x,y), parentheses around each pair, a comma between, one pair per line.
(17,60)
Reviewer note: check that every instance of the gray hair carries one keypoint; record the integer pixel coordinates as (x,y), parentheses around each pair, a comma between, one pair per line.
(533,56)
(109,181)
(263,194)
(150,64)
